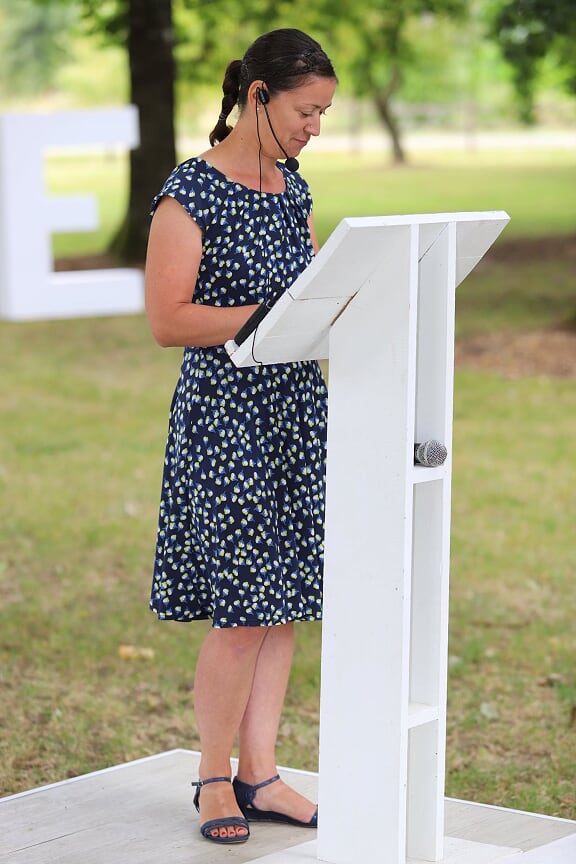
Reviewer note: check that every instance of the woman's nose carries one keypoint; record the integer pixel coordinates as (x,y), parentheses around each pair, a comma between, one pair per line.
(313,125)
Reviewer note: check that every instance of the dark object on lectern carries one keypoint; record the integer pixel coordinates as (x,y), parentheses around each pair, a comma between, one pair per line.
(430,453)
(252,322)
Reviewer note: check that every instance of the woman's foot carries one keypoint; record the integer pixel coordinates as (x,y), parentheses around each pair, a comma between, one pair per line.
(218,803)
(276,797)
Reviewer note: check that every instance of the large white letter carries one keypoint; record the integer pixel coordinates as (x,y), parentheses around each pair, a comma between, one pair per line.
(29,289)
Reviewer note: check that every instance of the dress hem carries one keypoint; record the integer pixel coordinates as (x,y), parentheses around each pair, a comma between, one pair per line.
(219,626)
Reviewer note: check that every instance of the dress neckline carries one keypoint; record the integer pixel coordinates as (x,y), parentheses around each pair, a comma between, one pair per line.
(242,185)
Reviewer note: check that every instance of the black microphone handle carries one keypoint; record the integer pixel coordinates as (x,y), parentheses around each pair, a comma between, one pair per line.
(253,321)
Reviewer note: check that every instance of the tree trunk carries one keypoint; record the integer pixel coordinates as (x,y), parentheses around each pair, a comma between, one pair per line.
(152,75)
(382,101)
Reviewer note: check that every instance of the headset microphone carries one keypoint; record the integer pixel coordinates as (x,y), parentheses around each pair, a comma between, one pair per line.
(291,163)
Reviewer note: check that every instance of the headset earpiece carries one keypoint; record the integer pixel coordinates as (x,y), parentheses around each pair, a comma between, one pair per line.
(263,95)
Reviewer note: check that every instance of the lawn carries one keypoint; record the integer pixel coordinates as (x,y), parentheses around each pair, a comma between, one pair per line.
(537,189)
(90,679)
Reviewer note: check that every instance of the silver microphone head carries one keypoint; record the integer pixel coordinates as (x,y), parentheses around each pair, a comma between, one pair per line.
(430,453)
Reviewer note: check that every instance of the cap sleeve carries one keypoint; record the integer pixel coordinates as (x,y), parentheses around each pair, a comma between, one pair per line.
(189,185)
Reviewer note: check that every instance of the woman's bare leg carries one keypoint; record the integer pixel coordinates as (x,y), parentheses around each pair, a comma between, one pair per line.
(259,726)
(222,686)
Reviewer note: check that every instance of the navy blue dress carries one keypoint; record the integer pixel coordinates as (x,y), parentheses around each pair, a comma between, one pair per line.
(241,526)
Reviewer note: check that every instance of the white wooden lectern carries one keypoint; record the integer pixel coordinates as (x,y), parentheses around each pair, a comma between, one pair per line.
(378,301)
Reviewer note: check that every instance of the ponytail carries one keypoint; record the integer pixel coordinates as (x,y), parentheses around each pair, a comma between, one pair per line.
(230,88)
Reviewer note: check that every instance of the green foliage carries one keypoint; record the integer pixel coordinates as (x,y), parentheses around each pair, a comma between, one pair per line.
(34,43)
(375,36)
(449,61)
(529,30)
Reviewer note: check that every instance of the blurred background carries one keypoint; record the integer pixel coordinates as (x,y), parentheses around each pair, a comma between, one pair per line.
(414,73)
(443,105)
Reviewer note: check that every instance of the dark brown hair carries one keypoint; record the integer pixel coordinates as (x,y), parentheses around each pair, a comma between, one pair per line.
(282,59)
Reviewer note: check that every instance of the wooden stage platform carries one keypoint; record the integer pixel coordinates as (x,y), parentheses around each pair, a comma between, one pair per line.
(142,813)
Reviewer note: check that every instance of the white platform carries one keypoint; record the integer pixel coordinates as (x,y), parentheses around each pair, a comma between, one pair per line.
(141,813)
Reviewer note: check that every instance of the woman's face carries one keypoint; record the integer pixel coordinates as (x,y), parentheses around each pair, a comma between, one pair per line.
(296,115)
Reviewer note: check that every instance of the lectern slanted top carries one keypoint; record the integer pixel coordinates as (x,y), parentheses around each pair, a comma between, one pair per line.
(298,325)
(378,301)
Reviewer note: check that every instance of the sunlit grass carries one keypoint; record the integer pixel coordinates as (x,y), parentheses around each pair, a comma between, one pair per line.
(84,408)
(536,187)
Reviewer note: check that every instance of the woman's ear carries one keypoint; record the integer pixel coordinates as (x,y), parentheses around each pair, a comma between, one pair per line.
(258,94)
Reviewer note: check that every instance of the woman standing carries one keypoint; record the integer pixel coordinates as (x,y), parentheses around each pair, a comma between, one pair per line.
(241,526)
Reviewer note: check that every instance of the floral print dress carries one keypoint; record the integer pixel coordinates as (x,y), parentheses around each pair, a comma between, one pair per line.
(241,525)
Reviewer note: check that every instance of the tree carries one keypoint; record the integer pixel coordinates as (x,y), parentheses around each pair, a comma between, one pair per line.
(152,79)
(146,28)
(375,46)
(529,30)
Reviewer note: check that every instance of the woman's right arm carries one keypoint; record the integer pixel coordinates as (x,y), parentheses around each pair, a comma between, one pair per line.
(172,262)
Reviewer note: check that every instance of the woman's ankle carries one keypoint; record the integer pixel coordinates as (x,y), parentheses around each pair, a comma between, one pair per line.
(208,768)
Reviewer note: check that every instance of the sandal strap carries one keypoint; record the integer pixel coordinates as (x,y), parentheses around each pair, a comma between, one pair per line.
(265,783)
(225,822)
(211,780)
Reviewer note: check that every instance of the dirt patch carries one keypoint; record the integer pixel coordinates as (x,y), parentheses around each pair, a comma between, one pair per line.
(103,261)
(549,352)
(534,248)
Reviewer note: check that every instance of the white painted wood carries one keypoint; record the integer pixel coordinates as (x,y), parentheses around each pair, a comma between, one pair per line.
(141,813)
(364,695)
(418,714)
(29,290)
(119,289)
(431,544)
(421,474)
(561,851)
(466,852)
(348,258)
(379,298)
(502,825)
(457,852)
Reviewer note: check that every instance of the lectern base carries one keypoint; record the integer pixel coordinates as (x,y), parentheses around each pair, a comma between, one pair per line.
(141,813)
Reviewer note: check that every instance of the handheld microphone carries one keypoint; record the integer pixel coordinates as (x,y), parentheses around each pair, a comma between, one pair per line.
(253,321)
(430,453)
(291,163)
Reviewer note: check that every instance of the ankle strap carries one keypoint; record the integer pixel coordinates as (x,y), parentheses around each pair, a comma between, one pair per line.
(211,780)
(266,782)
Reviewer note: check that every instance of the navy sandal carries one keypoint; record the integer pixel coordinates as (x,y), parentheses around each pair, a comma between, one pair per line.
(245,795)
(225,822)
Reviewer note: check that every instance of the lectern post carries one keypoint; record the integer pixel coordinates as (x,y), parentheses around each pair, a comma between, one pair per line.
(389,339)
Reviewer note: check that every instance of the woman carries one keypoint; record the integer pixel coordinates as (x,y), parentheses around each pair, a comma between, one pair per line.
(242,510)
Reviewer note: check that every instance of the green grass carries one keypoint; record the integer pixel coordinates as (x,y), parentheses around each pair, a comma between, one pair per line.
(537,189)
(513,598)
(84,409)
(538,195)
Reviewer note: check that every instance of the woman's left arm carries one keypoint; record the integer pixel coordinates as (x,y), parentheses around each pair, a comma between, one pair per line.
(313,237)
